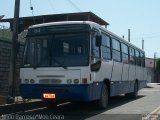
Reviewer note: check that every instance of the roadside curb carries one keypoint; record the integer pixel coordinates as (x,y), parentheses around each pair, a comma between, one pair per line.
(154,115)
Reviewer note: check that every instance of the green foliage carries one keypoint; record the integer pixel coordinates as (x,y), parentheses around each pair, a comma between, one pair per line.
(5,34)
(158,65)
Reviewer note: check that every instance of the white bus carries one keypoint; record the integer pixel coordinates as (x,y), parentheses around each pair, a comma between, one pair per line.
(79,61)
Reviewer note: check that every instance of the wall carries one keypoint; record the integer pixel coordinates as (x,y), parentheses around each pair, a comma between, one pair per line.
(4,66)
(5,53)
(150,72)
(152,77)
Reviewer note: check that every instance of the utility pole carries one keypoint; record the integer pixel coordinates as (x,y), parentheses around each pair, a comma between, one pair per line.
(155,80)
(14,52)
(129,35)
(142,44)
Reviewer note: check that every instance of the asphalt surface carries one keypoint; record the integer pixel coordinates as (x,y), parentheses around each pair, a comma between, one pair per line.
(120,108)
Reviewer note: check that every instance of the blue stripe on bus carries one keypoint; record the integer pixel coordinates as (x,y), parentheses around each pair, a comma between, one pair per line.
(122,87)
(64,92)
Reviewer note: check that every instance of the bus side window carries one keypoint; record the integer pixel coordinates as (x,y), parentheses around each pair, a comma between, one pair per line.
(106,51)
(144,63)
(116,51)
(142,59)
(138,60)
(95,49)
(132,56)
(125,56)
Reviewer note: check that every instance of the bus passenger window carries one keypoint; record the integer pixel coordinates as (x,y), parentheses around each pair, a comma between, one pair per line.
(138,60)
(116,53)
(132,56)
(142,59)
(106,52)
(125,56)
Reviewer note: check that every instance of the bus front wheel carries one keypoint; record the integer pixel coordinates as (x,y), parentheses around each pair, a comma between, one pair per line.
(102,103)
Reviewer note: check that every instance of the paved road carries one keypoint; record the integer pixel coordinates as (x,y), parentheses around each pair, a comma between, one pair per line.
(120,108)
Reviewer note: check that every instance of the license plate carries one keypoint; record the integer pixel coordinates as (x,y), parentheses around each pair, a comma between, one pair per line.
(49,96)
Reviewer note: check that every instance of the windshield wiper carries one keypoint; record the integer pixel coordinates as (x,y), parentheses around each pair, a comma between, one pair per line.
(59,63)
(38,64)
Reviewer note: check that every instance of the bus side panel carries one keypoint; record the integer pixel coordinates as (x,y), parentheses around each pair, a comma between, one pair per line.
(104,72)
(139,73)
(116,84)
(132,73)
(125,79)
(117,71)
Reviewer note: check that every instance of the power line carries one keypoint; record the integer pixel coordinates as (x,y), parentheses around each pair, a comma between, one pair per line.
(151,37)
(74,5)
(146,34)
(31,8)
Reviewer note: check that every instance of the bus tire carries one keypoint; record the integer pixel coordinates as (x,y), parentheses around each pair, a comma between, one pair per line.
(102,103)
(134,94)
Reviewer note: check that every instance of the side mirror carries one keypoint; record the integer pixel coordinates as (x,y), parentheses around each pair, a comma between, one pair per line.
(98,41)
(96,66)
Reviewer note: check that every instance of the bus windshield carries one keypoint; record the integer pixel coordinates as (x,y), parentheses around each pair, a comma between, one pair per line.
(57,50)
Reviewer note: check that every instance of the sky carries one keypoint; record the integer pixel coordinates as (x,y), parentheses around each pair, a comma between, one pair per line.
(141,16)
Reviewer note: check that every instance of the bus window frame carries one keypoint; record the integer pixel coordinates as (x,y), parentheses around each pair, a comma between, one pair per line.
(107,47)
(95,62)
(113,38)
(123,52)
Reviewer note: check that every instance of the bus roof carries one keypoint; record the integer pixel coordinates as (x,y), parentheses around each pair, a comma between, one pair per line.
(92,24)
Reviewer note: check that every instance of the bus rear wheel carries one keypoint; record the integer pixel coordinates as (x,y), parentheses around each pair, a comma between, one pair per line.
(102,103)
(134,94)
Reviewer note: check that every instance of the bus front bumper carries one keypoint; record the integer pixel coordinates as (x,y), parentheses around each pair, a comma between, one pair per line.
(63,92)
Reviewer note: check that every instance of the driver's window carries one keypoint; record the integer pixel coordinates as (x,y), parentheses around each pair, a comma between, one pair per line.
(95,49)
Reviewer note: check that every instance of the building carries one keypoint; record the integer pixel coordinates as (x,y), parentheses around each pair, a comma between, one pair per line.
(25,22)
(150,63)
(151,70)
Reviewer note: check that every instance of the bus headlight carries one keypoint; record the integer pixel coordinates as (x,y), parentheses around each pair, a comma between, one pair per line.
(69,81)
(26,81)
(32,81)
(76,81)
